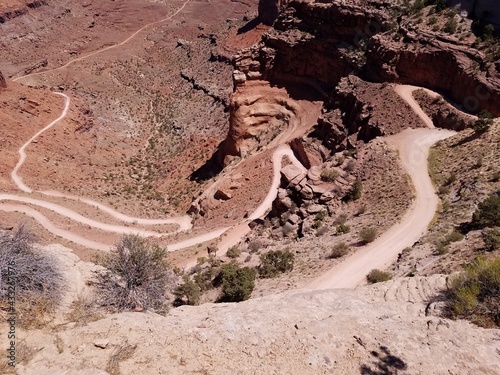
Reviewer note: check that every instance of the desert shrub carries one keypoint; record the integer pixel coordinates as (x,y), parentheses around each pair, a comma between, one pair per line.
(339,250)
(255,245)
(451,179)
(341,219)
(204,278)
(377,276)
(451,26)
(342,229)
(237,283)
(36,276)
(367,235)
(275,262)
(136,276)
(453,236)
(491,239)
(83,311)
(233,252)
(495,177)
(188,293)
(361,210)
(355,193)
(487,213)
(321,231)
(329,175)
(441,248)
(475,293)
(317,224)
(483,123)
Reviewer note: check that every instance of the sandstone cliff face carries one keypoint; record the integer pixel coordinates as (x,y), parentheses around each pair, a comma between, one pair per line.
(440,66)
(3,84)
(310,43)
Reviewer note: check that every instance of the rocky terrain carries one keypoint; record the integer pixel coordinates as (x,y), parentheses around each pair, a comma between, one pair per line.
(163,112)
(386,328)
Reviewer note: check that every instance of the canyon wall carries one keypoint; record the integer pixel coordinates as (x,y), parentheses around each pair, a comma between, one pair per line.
(456,71)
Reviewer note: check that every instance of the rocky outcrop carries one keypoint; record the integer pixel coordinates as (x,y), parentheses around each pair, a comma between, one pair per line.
(458,72)
(269,9)
(3,83)
(20,10)
(443,115)
(311,43)
(386,328)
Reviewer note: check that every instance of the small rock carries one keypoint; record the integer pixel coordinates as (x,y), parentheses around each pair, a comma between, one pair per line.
(314,208)
(292,174)
(293,219)
(314,174)
(239,77)
(101,343)
(222,195)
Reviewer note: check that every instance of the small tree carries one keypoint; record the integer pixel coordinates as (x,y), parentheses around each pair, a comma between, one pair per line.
(188,293)
(275,262)
(367,235)
(377,276)
(237,283)
(136,276)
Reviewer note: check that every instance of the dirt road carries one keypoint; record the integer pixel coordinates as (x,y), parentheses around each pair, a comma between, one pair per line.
(413,146)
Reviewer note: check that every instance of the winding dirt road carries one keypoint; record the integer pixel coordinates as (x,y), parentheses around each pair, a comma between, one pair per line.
(413,146)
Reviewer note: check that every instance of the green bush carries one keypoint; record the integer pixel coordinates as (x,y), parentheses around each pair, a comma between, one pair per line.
(233,252)
(339,250)
(377,276)
(487,213)
(355,193)
(188,293)
(367,235)
(483,123)
(237,283)
(136,276)
(275,262)
(454,236)
(475,293)
(329,175)
(343,229)
(491,239)
(451,26)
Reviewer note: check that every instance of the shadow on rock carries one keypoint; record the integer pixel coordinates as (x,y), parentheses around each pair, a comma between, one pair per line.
(385,363)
